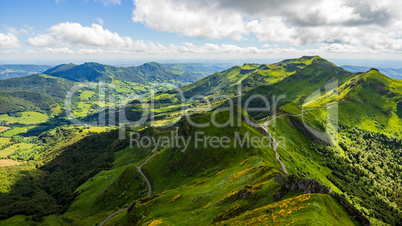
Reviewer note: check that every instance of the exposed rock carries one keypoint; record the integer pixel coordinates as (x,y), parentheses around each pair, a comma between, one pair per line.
(292,183)
(245,193)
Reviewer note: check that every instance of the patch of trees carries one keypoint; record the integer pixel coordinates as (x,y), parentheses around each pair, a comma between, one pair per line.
(369,173)
(50,187)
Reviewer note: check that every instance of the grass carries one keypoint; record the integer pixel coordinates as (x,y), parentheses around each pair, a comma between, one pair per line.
(4,141)
(294,149)
(115,188)
(307,209)
(233,185)
(86,94)
(17,131)
(369,101)
(16,147)
(206,185)
(96,129)
(9,162)
(28,117)
(16,220)
(3,129)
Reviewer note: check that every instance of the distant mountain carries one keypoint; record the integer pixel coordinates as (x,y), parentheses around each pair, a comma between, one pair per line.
(19,101)
(148,72)
(200,70)
(40,93)
(293,176)
(390,72)
(250,76)
(52,86)
(18,70)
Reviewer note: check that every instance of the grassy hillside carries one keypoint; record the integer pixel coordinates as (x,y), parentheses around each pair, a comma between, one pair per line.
(364,162)
(146,73)
(286,174)
(55,87)
(13,102)
(218,186)
(248,76)
(297,87)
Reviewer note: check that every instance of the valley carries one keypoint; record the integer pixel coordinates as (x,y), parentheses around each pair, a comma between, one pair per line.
(318,145)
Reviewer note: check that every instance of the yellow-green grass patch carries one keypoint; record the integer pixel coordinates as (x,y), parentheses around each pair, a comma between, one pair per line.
(28,117)
(9,162)
(4,141)
(8,151)
(3,128)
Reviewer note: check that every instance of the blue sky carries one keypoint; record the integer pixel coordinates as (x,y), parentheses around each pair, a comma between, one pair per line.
(193,30)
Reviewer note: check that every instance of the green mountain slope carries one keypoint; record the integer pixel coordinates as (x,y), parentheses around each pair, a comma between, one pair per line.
(20,101)
(297,87)
(149,72)
(249,75)
(200,70)
(52,86)
(364,162)
(288,176)
(206,185)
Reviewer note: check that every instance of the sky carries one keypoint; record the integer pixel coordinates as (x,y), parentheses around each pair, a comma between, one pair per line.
(125,31)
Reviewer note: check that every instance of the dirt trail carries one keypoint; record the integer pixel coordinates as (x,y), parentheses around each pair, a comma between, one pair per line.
(275,143)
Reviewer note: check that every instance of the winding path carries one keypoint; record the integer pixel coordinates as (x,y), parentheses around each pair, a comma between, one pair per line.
(112,215)
(143,175)
(149,191)
(146,179)
(275,145)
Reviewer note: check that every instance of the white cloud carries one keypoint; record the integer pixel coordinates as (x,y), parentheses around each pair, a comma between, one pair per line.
(16,31)
(9,40)
(109,2)
(175,16)
(74,34)
(369,24)
(100,21)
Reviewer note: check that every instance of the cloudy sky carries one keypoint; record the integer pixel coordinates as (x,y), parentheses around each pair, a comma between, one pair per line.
(83,30)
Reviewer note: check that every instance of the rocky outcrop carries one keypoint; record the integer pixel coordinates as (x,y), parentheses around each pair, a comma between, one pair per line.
(292,183)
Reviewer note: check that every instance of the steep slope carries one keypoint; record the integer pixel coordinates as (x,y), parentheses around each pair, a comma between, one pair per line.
(249,75)
(364,160)
(370,101)
(20,101)
(206,184)
(227,83)
(297,87)
(52,86)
